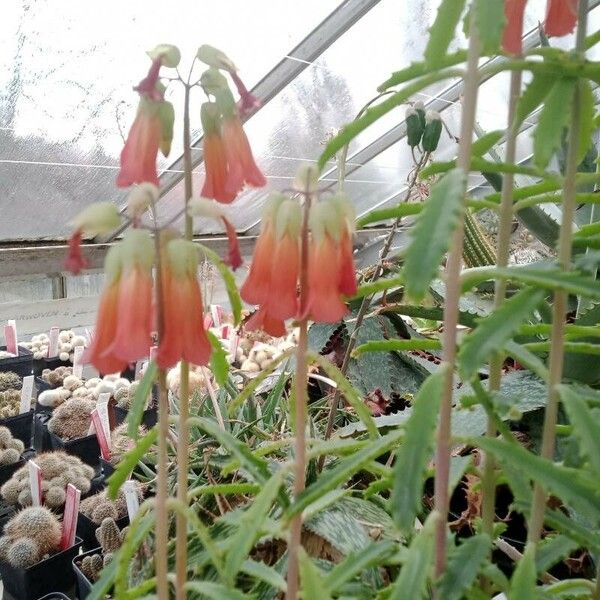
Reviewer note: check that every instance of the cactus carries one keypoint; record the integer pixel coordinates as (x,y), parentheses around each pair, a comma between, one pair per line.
(477,250)
(10,448)
(9,456)
(10,403)
(9,381)
(121,443)
(99,506)
(57,376)
(29,536)
(72,419)
(109,536)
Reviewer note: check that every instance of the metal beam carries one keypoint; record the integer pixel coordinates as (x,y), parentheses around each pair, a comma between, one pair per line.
(306,52)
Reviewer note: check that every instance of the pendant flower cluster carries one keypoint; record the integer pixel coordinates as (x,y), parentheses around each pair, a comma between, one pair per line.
(276,267)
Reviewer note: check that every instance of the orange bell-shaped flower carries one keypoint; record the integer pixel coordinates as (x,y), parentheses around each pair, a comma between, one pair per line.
(561,17)
(512,36)
(184,336)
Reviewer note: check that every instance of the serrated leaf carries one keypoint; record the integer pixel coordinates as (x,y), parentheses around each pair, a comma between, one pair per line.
(249,527)
(492,332)
(486,141)
(489,16)
(269,575)
(464,563)
(398,346)
(534,94)
(415,452)
(586,111)
(136,411)
(432,232)
(522,584)
(383,214)
(228,279)
(312,579)
(129,461)
(412,581)
(219,365)
(586,427)
(553,119)
(442,31)
(214,591)
(553,549)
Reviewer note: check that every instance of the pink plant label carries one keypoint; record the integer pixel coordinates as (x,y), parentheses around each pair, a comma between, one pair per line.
(69,524)
(153,352)
(225,332)
(10,337)
(234,342)
(100,434)
(216,312)
(53,342)
(35,483)
(131,498)
(26,394)
(77,361)
(208,321)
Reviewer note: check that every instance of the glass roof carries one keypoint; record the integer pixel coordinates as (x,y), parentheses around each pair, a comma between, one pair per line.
(68,68)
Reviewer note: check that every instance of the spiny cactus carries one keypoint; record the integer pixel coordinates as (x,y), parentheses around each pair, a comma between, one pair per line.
(57,376)
(109,535)
(99,507)
(9,381)
(120,442)
(29,536)
(58,470)
(10,448)
(72,419)
(91,566)
(10,403)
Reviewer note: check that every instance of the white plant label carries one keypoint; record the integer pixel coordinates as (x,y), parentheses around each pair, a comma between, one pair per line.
(77,363)
(139,365)
(53,342)
(26,394)
(102,408)
(35,483)
(69,525)
(131,498)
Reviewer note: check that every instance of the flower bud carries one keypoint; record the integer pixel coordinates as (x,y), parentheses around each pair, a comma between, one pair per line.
(213,57)
(140,199)
(213,81)
(414,127)
(433,131)
(289,219)
(97,219)
(204,207)
(166,115)
(307,178)
(169,55)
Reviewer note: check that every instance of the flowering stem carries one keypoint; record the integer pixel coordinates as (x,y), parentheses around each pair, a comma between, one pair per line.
(488,479)
(301,409)
(184,389)
(453,267)
(559,309)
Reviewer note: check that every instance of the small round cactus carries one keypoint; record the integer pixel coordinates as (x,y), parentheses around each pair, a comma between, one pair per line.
(9,381)
(10,403)
(23,553)
(72,419)
(10,448)
(109,536)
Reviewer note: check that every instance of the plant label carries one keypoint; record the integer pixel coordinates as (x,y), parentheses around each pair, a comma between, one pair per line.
(216,312)
(35,483)
(131,498)
(69,524)
(77,361)
(53,343)
(26,394)
(10,337)
(208,321)
(102,407)
(152,353)
(234,342)
(100,434)
(139,365)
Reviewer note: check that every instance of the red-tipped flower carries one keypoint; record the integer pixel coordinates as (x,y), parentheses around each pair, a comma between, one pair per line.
(75,260)
(248,102)
(184,336)
(561,17)
(512,36)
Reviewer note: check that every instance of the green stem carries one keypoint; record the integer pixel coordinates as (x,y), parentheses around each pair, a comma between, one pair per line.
(451,308)
(560,297)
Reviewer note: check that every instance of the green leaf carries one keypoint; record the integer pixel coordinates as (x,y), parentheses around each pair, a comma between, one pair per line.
(214,591)
(383,214)
(229,281)
(432,232)
(570,589)
(442,31)
(358,562)
(494,331)
(553,549)
(522,584)
(250,527)
(489,16)
(464,563)
(398,346)
(586,110)
(553,119)
(344,469)
(487,141)
(136,411)
(166,114)
(352,396)
(313,582)
(586,427)
(415,452)
(219,365)
(564,482)
(534,94)
(412,581)
(378,286)
(129,461)
(269,575)
(553,279)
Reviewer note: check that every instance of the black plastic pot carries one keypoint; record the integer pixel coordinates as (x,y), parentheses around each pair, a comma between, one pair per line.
(21,427)
(6,471)
(149,418)
(55,596)
(86,448)
(107,468)
(86,530)
(84,585)
(21,365)
(54,573)
(41,435)
(7,511)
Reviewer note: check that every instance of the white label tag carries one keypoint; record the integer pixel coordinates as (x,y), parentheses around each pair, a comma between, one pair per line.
(102,408)
(131,498)
(139,365)
(26,394)
(35,483)
(77,364)
(69,524)
(53,342)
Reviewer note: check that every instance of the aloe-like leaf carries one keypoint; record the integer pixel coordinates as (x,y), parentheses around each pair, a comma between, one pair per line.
(442,31)
(136,411)
(432,232)
(412,581)
(219,365)
(464,564)
(415,452)
(493,331)
(586,427)
(522,584)
(553,119)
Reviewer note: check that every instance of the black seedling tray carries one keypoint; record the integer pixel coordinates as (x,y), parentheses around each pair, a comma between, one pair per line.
(21,427)
(49,363)
(21,365)
(149,418)
(41,435)
(107,468)
(86,530)
(54,573)
(55,596)
(6,471)
(86,448)
(84,585)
